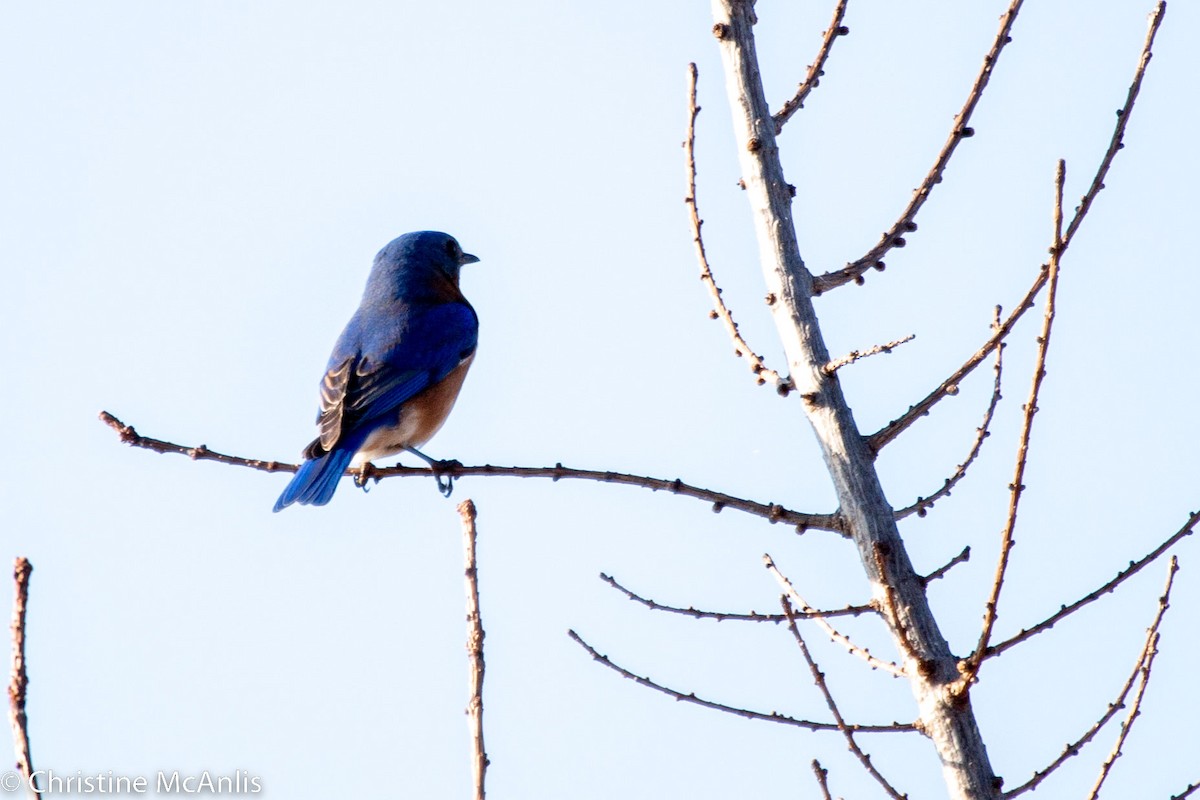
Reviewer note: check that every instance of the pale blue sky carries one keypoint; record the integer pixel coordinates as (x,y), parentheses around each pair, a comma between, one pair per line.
(194,194)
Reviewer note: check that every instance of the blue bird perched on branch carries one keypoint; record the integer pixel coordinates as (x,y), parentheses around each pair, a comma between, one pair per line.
(397,368)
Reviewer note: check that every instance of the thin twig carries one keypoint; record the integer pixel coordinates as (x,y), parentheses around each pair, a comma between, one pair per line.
(19,678)
(923,504)
(1067,610)
(894,236)
(1140,667)
(721,616)
(822,779)
(888,433)
(970,666)
(720,501)
(961,558)
(1074,748)
(833,633)
(753,616)
(479,758)
(1118,138)
(815,70)
(1134,712)
(1191,789)
(720,311)
(819,680)
(858,355)
(949,386)
(1148,653)
(895,727)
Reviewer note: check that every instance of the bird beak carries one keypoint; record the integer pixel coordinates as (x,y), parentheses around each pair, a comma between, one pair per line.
(467,258)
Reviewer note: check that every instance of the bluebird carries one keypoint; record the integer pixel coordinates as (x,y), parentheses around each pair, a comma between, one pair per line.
(397,368)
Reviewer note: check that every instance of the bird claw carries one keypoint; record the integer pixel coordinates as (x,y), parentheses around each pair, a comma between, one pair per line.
(363,476)
(445,483)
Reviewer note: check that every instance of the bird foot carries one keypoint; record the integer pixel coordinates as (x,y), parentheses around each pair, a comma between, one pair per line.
(363,476)
(445,483)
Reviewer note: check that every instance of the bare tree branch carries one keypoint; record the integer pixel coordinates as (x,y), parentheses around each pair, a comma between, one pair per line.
(895,727)
(888,433)
(1142,667)
(479,758)
(858,355)
(1188,792)
(1067,610)
(923,504)
(815,70)
(970,666)
(949,386)
(753,616)
(1118,138)
(949,722)
(894,236)
(1148,653)
(769,511)
(19,678)
(721,616)
(833,633)
(819,680)
(961,558)
(720,311)
(822,775)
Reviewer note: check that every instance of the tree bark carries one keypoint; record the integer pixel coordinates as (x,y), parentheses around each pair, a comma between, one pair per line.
(944,706)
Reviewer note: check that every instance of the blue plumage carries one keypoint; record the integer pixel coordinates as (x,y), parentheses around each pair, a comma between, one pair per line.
(397,368)
(316,480)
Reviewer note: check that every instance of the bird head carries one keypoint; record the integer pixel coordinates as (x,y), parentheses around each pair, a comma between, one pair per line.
(415,258)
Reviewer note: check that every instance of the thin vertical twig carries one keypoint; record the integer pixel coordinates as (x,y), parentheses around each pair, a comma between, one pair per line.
(819,680)
(741,347)
(1151,650)
(19,679)
(970,667)
(479,759)
(822,775)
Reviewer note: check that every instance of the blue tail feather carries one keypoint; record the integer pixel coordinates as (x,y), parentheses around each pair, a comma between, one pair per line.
(316,480)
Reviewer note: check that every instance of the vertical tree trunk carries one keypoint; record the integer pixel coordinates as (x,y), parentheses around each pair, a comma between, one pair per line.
(946,715)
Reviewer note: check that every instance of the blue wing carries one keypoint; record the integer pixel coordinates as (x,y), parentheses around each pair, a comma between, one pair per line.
(394,364)
(377,366)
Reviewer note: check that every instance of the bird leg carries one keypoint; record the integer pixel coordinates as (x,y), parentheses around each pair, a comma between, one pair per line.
(445,482)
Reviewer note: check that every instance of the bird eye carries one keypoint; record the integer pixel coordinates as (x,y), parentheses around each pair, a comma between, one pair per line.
(453,249)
